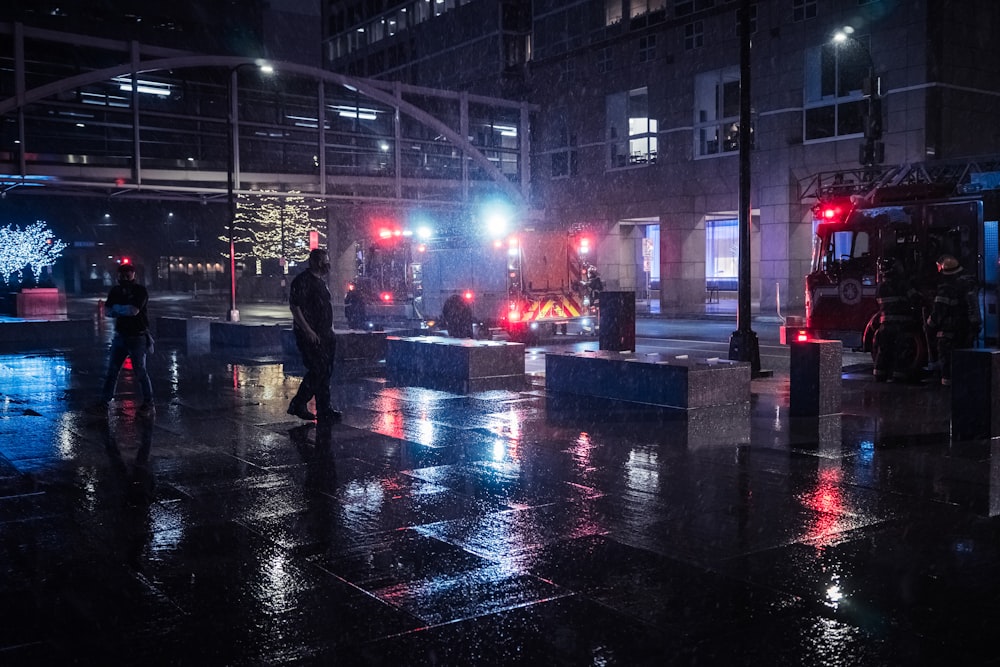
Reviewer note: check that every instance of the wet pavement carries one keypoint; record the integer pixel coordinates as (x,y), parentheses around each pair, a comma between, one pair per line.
(501,528)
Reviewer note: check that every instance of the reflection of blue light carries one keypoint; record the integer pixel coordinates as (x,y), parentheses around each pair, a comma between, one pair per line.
(499,450)
(867,451)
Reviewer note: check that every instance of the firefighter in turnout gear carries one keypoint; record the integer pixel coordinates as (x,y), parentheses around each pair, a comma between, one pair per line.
(955,320)
(899,313)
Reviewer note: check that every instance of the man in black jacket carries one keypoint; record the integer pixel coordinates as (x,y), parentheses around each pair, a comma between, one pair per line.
(312,315)
(126,303)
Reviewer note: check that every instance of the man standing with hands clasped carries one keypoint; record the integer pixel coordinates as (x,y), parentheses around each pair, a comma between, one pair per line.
(126,303)
(312,312)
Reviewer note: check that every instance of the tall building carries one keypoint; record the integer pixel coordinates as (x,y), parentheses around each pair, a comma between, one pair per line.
(637,130)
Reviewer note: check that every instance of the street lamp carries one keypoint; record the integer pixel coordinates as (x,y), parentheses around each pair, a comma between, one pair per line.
(234,160)
(872,151)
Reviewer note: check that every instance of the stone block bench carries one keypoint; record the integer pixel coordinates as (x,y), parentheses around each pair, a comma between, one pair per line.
(457,365)
(356,352)
(236,334)
(192,330)
(678,382)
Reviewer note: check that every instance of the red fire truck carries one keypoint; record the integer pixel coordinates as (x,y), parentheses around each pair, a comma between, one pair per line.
(529,284)
(914,214)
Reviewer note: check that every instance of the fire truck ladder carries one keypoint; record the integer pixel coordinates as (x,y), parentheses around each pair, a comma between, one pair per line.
(958,177)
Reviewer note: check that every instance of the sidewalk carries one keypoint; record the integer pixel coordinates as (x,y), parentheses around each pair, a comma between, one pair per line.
(504,528)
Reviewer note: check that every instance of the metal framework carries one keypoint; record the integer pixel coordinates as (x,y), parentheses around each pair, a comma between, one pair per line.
(172,125)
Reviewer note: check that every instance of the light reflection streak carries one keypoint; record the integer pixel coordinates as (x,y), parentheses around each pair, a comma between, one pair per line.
(641,470)
(277,583)
(826,500)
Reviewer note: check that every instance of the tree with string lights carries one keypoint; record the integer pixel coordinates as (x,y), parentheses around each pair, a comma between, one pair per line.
(272,227)
(35,246)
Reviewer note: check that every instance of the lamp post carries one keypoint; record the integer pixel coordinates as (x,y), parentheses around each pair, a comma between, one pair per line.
(233,164)
(743,344)
(872,151)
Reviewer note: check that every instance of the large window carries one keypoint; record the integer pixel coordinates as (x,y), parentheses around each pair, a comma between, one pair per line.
(694,35)
(640,7)
(835,75)
(722,249)
(564,161)
(612,11)
(717,112)
(630,130)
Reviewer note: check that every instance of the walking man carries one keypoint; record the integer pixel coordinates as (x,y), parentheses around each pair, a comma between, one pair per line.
(126,304)
(312,312)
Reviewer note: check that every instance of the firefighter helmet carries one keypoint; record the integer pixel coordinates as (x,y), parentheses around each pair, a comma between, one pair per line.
(947,265)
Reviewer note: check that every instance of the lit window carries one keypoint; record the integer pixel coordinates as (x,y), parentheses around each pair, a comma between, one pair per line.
(631,132)
(612,11)
(717,112)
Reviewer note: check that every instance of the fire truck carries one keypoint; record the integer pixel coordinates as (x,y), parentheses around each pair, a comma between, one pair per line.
(913,214)
(528,284)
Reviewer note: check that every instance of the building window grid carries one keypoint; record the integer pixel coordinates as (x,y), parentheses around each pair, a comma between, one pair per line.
(717,112)
(803,10)
(632,134)
(605,60)
(390,24)
(688,7)
(647,48)
(694,35)
(641,7)
(834,97)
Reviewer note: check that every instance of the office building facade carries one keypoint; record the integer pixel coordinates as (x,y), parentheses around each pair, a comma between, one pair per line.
(636,136)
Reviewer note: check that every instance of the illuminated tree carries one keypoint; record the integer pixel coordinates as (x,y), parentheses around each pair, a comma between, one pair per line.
(271,227)
(34,246)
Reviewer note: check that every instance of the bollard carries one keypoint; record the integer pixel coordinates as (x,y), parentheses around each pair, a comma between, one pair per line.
(975,412)
(617,319)
(100,309)
(815,378)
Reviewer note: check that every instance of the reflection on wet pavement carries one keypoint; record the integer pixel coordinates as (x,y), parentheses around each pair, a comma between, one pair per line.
(486,529)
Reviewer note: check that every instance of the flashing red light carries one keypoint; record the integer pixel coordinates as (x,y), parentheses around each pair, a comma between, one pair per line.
(514,316)
(350,287)
(120,182)
(124,260)
(802,336)
(421,248)
(467,295)
(584,245)
(386,297)
(830,212)
(385,233)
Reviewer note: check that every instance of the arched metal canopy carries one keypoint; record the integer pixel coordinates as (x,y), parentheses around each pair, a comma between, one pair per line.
(175,127)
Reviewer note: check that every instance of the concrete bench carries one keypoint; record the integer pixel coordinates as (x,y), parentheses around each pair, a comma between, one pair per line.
(235,334)
(192,330)
(28,333)
(356,352)
(668,381)
(457,365)
(38,302)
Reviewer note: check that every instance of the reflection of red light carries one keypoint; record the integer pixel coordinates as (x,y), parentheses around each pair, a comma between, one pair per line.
(468,295)
(802,337)
(386,296)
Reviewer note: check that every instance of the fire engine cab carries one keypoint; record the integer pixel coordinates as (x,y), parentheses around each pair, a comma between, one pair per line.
(912,215)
